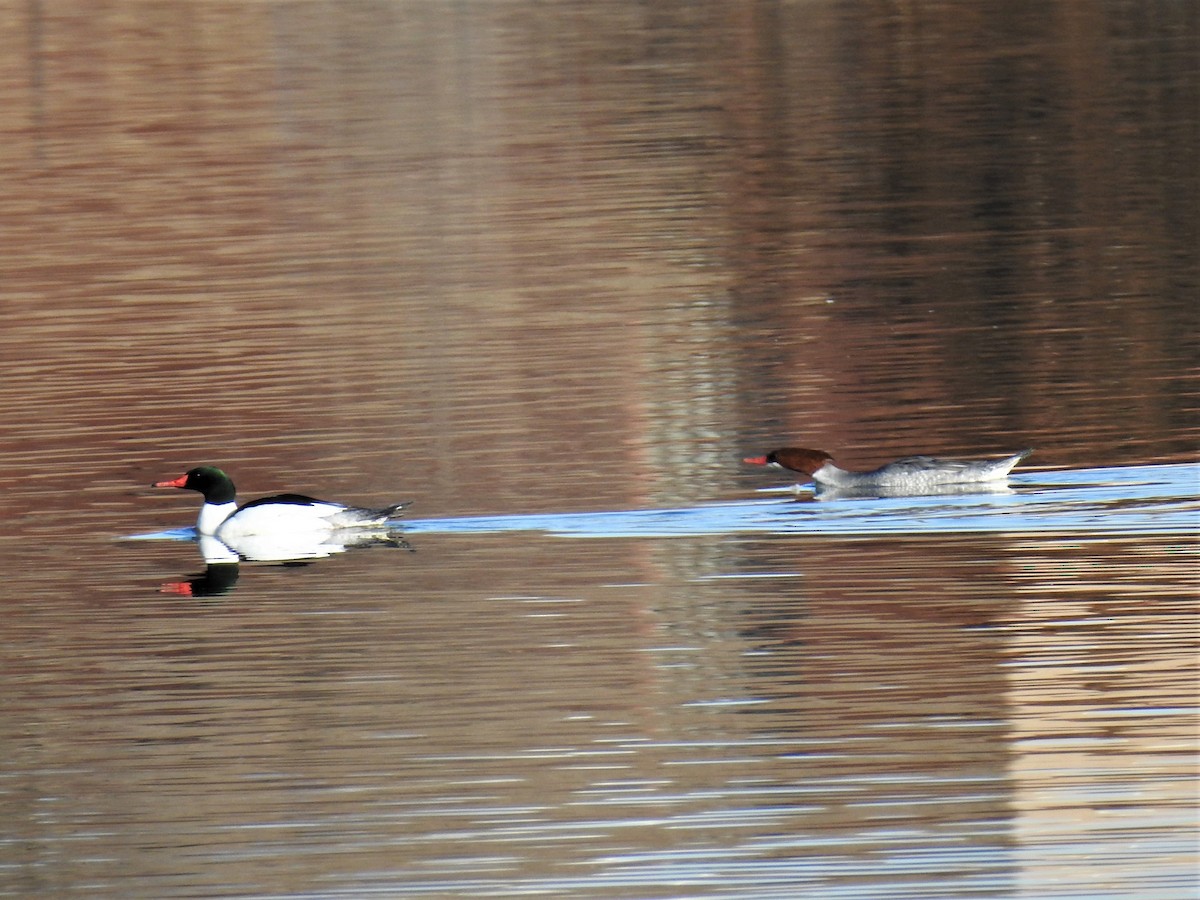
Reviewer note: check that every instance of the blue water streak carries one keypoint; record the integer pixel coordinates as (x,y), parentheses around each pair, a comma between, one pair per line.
(1135,500)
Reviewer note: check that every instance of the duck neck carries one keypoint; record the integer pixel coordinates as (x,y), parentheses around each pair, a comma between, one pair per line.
(832,476)
(212,515)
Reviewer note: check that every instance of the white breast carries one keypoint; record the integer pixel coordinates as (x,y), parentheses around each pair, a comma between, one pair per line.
(212,515)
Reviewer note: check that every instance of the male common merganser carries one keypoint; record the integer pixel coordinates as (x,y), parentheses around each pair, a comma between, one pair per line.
(910,474)
(221,517)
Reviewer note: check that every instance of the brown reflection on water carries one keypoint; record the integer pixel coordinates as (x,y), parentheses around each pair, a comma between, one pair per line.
(566,720)
(449,245)
(973,239)
(1102,684)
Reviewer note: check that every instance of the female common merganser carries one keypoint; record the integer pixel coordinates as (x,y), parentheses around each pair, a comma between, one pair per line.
(911,474)
(221,517)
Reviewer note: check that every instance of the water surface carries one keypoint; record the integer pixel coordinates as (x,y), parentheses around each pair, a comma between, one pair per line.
(550,272)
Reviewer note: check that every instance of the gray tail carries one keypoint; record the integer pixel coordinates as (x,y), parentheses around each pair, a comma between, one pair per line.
(1016,459)
(378,515)
(388,512)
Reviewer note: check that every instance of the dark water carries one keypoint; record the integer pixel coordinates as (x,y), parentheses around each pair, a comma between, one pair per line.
(550,271)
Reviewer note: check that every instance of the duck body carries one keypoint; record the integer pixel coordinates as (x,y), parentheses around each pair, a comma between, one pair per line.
(911,474)
(279,515)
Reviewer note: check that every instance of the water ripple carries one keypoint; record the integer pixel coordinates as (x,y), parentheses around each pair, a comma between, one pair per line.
(1130,500)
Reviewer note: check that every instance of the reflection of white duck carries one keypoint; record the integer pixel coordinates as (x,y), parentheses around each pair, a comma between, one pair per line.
(223,561)
(294,547)
(912,474)
(283,517)
(216,579)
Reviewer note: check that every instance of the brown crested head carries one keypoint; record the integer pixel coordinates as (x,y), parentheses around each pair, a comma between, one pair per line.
(798,459)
